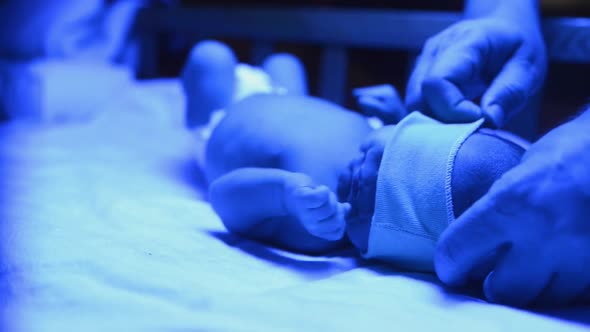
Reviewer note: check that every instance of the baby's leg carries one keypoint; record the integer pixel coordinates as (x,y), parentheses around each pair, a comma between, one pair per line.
(208,79)
(286,71)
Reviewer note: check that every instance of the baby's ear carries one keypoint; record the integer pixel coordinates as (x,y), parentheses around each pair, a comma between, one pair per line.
(381,101)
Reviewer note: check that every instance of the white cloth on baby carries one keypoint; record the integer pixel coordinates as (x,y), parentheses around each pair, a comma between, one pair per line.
(414,200)
(250,80)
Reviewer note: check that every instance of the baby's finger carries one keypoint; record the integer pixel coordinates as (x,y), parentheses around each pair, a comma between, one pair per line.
(325,211)
(335,235)
(334,227)
(327,228)
(311,198)
(371,106)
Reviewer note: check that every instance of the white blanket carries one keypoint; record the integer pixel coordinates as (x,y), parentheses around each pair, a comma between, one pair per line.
(104,227)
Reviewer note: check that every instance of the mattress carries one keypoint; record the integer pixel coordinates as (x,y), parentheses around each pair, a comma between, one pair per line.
(105,226)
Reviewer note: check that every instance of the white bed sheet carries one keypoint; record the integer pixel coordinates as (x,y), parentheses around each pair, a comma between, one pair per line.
(103,227)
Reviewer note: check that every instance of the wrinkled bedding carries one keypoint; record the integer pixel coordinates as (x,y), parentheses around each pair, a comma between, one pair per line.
(105,226)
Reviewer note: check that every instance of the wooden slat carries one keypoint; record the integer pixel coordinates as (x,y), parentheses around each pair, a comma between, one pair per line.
(568,39)
(333,74)
(345,27)
(260,50)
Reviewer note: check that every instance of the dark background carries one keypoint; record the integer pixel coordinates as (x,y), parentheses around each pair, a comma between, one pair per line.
(566,90)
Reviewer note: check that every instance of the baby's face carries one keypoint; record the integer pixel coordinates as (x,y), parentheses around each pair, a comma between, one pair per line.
(358,184)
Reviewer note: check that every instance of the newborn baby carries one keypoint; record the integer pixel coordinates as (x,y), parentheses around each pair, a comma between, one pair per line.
(301,173)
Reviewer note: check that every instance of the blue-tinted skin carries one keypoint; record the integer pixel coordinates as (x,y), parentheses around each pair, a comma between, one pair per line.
(528,238)
(274,164)
(287,169)
(497,55)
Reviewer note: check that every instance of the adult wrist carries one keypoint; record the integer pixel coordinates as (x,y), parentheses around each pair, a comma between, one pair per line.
(523,13)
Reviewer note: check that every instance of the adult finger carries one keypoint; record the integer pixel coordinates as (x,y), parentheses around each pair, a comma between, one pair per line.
(456,68)
(572,277)
(475,240)
(414,100)
(448,103)
(518,277)
(509,92)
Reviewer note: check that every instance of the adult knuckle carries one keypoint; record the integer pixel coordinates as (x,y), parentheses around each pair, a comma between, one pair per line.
(431,45)
(516,93)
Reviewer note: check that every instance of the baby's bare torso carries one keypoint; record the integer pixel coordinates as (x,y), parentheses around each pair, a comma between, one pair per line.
(293,133)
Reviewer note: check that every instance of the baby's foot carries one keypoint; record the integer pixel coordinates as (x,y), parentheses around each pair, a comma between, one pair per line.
(287,72)
(208,80)
(318,210)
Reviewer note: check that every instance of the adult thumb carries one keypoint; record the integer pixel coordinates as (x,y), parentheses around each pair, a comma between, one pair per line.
(509,92)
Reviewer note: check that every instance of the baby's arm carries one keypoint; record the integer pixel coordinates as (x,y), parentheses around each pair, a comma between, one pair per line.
(284,208)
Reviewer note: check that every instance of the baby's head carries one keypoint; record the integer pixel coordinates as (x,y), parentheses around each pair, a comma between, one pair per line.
(482,158)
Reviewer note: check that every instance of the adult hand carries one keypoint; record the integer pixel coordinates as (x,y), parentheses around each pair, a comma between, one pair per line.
(496,60)
(529,236)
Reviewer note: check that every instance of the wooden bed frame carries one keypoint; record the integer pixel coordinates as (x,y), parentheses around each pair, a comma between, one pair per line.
(335,30)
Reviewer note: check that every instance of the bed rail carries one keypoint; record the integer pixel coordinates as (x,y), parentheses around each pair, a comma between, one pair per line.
(335,30)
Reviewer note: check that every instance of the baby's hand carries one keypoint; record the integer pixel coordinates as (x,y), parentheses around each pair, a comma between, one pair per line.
(381,101)
(318,210)
(363,172)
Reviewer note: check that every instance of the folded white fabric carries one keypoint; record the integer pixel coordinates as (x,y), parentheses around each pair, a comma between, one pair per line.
(52,91)
(414,200)
(250,80)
